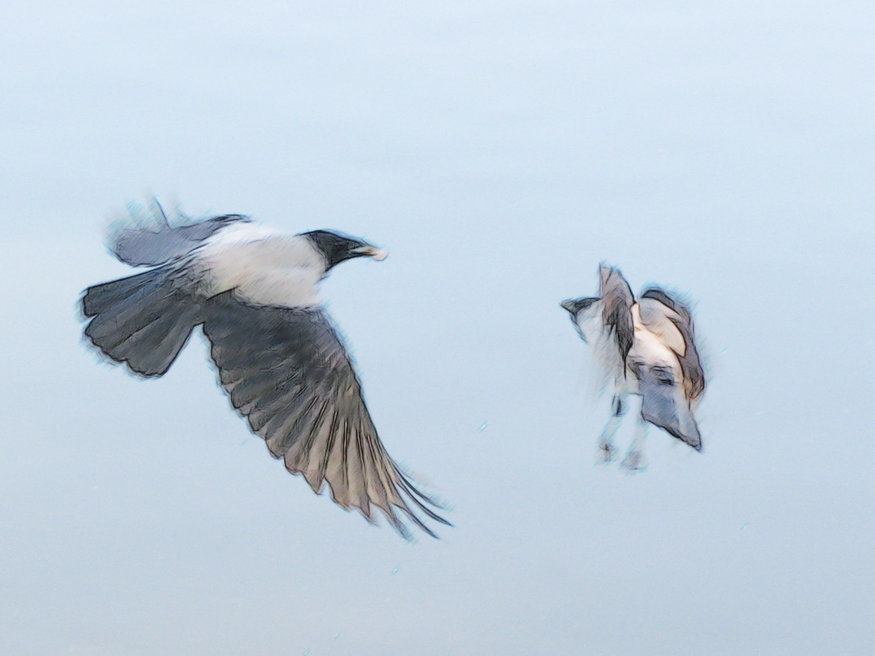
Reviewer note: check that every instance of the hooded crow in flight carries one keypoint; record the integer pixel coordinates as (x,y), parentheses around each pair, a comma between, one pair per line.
(253,290)
(644,347)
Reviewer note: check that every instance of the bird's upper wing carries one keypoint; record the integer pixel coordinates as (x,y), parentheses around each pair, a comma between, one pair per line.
(288,373)
(658,308)
(617,301)
(141,240)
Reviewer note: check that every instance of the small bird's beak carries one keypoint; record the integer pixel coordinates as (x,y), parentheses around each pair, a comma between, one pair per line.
(568,305)
(575,305)
(372,251)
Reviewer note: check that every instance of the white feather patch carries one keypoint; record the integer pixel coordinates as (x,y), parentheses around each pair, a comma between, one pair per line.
(262,266)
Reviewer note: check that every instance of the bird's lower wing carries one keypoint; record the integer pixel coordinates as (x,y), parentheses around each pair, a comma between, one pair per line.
(288,373)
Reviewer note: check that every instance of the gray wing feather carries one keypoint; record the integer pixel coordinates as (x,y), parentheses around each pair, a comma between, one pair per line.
(617,301)
(150,241)
(287,372)
(691,364)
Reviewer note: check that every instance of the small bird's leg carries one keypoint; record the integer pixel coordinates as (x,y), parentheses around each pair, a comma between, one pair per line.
(606,439)
(634,460)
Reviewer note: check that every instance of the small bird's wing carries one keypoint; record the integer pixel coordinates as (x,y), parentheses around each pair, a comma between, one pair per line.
(288,373)
(657,309)
(666,406)
(141,240)
(617,301)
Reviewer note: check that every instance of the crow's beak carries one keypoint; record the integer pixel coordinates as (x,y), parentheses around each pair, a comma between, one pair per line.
(371,251)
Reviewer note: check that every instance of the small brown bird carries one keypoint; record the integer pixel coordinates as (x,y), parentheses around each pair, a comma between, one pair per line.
(645,347)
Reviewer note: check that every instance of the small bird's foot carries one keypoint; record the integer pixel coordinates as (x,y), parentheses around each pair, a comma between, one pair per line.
(633,462)
(607,453)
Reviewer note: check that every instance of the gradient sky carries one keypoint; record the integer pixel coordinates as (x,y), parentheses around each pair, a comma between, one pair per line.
(500,151)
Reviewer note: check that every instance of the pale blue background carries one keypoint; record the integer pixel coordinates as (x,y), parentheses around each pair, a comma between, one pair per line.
(500,150)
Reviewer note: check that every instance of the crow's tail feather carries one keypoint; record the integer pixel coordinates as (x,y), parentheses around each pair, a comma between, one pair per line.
(143,320)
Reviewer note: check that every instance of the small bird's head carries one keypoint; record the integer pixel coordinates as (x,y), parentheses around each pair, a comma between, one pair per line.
(578,309)
(337,248)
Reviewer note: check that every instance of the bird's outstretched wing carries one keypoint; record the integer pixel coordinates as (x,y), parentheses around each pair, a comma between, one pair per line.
(617,301)
(288,373)
(657,305)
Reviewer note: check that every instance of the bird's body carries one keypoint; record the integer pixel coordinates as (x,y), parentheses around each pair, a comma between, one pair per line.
(262,266)
(254,291)
(644,347)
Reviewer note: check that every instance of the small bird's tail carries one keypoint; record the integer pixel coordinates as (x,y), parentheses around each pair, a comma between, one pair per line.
(143,320)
